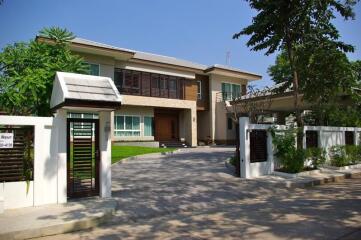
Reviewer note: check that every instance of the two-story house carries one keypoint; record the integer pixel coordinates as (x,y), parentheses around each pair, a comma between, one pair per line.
(165,99)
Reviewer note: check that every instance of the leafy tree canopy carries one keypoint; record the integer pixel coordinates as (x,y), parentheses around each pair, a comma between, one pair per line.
(27,72)
(281,24)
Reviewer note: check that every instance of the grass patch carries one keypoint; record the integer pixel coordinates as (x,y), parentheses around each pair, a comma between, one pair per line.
(121,152)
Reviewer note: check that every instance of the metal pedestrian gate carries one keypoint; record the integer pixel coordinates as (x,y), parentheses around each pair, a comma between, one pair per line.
(82,157)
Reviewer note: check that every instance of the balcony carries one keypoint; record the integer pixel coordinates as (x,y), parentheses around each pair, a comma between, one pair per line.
(146,84)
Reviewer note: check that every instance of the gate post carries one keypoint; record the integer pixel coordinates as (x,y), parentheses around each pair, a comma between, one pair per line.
(61,141)
(105,145)
(244,145)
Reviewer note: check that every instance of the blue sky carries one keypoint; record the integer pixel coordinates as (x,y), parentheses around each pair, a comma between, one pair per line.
(199,31)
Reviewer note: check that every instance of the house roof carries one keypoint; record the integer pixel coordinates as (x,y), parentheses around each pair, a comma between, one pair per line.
(156,58)
(80,88)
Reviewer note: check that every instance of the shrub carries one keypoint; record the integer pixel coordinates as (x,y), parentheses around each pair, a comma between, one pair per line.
(317,156)
(291,159)
(353,153)
(338,156)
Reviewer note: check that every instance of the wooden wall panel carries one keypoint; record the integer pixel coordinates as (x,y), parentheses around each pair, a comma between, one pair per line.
(203,104)
(190,90)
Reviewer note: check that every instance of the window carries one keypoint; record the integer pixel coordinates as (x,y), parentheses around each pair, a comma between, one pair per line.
(83,115)
(93,69)
(199,90)
(118,79)
(230,91)
(148,126)
(126,126)
(229,123)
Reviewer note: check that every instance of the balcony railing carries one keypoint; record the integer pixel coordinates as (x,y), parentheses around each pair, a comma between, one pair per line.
(139,83)
(152,92)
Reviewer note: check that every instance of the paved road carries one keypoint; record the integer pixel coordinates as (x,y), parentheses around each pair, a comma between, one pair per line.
(190,195)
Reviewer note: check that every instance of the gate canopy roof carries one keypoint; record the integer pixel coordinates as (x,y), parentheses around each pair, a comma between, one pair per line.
(80,90)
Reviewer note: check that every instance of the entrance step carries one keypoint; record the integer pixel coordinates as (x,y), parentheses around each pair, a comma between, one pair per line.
(172,144)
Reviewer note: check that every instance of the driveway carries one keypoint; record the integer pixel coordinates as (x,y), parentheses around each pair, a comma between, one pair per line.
(190,195)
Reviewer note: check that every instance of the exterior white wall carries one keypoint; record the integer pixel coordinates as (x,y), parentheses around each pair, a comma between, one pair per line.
(331,136)
(248,169)
(49,185)
(43,189)
(15,194)
(328,137)
(218,112)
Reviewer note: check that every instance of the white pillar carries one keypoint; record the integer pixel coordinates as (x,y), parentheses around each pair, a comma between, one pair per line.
(61,131)
(303,138)
(244,147)
(270,160)
(105,154)
(355,137)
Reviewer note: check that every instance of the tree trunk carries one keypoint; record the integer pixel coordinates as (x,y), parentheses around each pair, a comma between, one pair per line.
(296,96)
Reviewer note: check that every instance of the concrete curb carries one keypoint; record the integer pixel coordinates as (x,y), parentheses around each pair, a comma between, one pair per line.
(339,177)
(148,154)
(66,227)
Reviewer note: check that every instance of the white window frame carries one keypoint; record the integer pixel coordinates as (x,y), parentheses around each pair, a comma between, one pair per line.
(199,90)
(240,88)
(93,63)
(128,130)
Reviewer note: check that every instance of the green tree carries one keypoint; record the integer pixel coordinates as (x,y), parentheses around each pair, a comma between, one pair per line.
(27,72)
(281,24)
(356,67)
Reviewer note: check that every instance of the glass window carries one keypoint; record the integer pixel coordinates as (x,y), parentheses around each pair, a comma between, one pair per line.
(118,79)
(126,126)
(230,91)
(173,83)
(127,79)
(199,89)
(136,79)
(236,91)
(163,82)
(155,81)
(93,69)
(148,126)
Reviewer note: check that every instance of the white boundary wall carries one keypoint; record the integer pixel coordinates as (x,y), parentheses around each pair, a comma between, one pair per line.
(327,137)
(50,161)
(43,189)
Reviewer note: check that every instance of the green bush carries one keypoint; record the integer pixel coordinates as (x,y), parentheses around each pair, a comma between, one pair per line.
(345,155)
(317,156)
(353,153)
(338,156)
(291,159)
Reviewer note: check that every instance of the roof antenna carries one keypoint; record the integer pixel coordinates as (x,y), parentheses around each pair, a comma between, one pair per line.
(228,58)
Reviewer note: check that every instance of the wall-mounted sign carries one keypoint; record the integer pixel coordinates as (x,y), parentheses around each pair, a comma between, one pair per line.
(6,140)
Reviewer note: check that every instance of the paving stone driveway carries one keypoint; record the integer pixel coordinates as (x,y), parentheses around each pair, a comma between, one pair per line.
(190,195)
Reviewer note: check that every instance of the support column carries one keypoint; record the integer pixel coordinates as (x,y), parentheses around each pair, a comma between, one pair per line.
(105,154)
(355,137)
(270,150)
(190,122)
(244,147)
(60,124)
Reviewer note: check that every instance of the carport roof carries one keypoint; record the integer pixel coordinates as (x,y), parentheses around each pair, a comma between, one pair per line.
(71,89)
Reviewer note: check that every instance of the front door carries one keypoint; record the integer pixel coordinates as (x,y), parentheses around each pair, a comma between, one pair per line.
(166,127)
(82,157)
